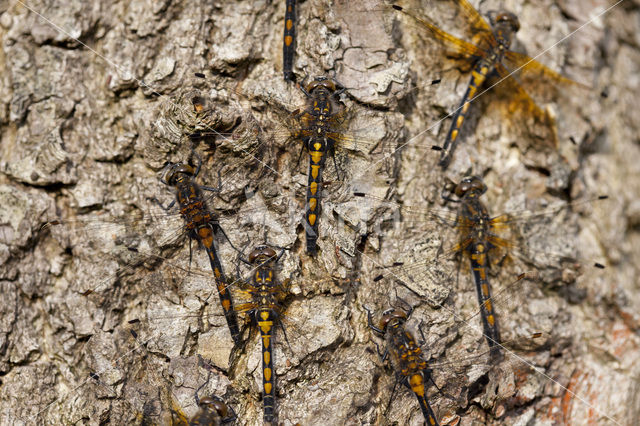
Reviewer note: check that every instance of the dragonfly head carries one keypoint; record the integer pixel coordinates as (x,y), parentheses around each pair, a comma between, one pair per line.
(262,254)
(214,405)
(506,21)
(469,184)
(178,173)
(393,318)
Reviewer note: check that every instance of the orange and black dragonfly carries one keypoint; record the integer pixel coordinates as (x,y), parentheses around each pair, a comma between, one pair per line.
(409,357)
(406,357)
(489,52)
(324,126)
(485,240)
(266,296)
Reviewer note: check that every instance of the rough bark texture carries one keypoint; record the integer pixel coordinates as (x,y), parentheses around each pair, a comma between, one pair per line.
(95,99)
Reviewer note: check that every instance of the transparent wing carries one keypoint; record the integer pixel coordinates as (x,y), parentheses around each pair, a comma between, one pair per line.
(537,78)
(358,132)
(517,235)
(452,43)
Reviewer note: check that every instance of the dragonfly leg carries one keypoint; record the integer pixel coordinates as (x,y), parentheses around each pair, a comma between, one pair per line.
(162,206)
(410,308)
(218,188)
(370,321)
(201,386)
(393,391)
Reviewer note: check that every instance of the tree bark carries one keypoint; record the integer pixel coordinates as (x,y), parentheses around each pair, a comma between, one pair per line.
(97,97)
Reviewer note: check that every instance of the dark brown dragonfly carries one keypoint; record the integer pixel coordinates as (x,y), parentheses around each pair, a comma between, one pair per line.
(514,76)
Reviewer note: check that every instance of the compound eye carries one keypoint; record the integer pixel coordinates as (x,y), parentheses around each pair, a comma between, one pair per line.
(393,317)
(221,408)
(462,188)
(254,254)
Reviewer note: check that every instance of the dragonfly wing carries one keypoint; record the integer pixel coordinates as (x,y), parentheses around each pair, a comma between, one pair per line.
(522,113)
(452,43)
(539,79)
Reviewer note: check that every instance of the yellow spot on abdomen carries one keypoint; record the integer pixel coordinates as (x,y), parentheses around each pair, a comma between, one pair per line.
(459,121)
(312,219)
(226,304)
(288,40)
(289,24)
(491,320)
(417,384)
(267,388)
(267,374)
(313,188)
(314,171)
(454,135)
(313,203)
(267,357)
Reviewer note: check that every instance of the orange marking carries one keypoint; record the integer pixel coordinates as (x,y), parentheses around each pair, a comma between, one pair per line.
(265,340)
(289,24)
(264,315)
(488,305)
(459,121)
(198,107)
(454,135)
(288,40)
(314,171)
(417,384)
(472,92)
(267,388)
(491,320)
(312,219)
(432,421)
(485,289)
(216,271)
(313,203)
(226,304)
(313,188)
(316,156)
(267,374)
(465,106)
(289,9)
(267,357)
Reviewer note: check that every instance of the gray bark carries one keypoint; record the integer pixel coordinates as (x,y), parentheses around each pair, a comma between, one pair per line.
(96,98)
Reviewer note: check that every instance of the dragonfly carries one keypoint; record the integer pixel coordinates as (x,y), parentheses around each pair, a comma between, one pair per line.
(492,60)
(324,126)
(406,356)
(288,46)
(485,241)
(403,352)
(265,307)
(114,239)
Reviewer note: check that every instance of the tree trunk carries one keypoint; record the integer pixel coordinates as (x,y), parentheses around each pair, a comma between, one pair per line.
(97,97)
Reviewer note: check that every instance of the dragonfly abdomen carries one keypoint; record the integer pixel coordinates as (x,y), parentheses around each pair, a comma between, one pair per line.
(289,38)
(478,77)
(205,236)
(265,320)
(478,255)
(317,149)
(416,383)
